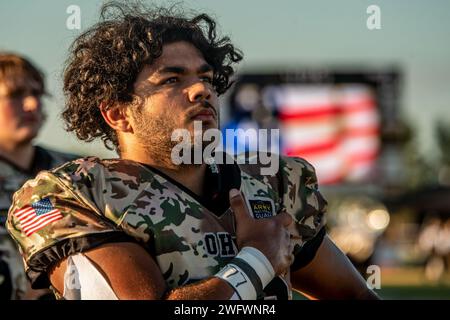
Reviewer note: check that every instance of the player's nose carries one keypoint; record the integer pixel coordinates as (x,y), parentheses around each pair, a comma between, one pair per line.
(199,91)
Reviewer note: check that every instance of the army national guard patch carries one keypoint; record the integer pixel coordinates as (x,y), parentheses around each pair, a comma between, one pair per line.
(261,207)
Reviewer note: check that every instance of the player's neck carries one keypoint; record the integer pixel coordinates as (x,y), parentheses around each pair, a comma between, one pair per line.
(20,155)
(190,175)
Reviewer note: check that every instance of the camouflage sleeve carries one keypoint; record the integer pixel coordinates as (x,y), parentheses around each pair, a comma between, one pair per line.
(302,200)
(50,221)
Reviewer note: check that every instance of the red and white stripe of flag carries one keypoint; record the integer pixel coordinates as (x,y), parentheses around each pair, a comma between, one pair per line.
(30,222)
(335,128)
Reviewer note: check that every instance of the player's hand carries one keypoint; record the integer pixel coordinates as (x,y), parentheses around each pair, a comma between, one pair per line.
(268,235)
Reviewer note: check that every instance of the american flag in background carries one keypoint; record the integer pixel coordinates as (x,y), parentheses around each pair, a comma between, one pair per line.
(334,127)
(37,215)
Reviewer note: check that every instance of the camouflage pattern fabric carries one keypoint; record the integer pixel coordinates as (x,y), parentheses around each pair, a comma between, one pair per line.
(101,198)
(11,179)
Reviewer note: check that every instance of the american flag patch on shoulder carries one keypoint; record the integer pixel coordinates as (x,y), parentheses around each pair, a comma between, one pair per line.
(36,216)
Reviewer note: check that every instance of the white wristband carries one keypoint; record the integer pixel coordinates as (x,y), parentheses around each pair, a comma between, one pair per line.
(259,262)
(248,273)
(239,280)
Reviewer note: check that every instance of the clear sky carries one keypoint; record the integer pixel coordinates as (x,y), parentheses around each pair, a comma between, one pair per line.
(414,35)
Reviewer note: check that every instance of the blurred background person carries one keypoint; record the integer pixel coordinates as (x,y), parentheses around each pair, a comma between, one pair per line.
(21,117)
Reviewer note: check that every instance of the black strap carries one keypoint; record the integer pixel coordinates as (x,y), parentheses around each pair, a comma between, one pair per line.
(252,275)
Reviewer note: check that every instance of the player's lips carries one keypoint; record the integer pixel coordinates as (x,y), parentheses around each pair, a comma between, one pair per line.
(204,112)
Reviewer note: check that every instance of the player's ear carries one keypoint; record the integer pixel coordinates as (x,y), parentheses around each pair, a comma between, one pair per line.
(116,116)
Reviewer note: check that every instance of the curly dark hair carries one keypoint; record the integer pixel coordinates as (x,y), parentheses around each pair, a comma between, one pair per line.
(105,60)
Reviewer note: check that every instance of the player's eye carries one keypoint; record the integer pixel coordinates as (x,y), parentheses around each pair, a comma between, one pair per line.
(170,80)
(207,79)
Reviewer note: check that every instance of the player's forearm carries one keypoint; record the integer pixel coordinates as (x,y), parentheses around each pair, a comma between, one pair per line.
(209,289)
(243,278)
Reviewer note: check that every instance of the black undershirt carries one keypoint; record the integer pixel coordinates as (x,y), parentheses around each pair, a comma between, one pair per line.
(216,187)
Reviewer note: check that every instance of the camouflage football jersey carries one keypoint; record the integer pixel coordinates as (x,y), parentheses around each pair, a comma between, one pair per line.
(100,201)
(12,277)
